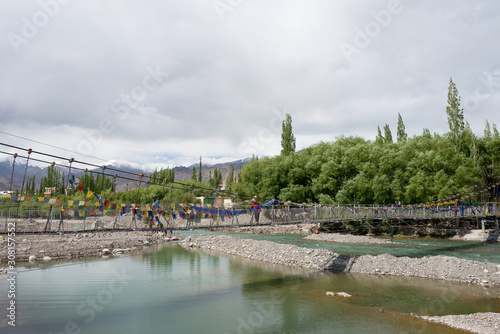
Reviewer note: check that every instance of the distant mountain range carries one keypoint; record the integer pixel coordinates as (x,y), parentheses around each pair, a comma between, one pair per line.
(182,173)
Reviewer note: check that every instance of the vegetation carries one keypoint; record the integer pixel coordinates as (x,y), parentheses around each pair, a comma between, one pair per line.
(287,137)
(424,168)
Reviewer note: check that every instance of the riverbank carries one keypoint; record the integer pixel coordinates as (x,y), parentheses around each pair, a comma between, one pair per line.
(481,323)
(302,229)
(311,230)
(44,247)
(346,238)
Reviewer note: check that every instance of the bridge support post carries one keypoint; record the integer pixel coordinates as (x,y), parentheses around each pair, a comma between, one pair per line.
(497,230)
(483,225)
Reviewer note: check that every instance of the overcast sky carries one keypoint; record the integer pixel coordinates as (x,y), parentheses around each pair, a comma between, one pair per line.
(167,81)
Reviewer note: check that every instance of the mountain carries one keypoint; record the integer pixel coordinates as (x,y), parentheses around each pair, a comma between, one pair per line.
(17,178)
(126,170)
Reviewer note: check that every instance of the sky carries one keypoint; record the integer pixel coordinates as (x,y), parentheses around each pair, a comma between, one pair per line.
(163,82)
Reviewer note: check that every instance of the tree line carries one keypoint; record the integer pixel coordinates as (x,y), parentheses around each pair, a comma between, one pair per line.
(424,168)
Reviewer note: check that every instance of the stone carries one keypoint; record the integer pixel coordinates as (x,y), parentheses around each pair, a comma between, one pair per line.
(344,294)
(32,258)
(47,258)
(106,251)
(340,294)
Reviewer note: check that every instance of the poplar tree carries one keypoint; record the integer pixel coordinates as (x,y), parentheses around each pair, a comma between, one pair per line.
(455,116)
(487,131)
(287,137)
(402,135)
(200,178)
(495,131)
(387,134)
(379,139)
(230,178)
(193,174)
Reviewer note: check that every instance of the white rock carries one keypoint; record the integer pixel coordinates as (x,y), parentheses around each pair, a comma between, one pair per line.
(32,258)
(47,258)
(344,294)
(121,250)
(340,294)
(106,251)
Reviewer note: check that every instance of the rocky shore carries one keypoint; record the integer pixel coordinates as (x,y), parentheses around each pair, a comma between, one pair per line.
(481,323)
(36,247)
(435,267)
(303,229)
(346,238)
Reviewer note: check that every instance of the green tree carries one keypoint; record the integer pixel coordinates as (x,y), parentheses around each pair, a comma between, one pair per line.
(402,136)
(455,116)
(287,137)
(200,178)
(387,134)
(193,174)
(379,139)
(487,131)
(230,178)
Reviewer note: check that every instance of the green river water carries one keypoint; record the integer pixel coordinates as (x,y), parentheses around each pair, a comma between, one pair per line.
(167,289)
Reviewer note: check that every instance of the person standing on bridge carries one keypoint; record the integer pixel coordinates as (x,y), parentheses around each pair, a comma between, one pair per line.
(156,213)
(256,209)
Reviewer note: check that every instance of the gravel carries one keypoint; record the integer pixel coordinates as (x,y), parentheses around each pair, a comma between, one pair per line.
(481,323)
(346,238)
(74,245)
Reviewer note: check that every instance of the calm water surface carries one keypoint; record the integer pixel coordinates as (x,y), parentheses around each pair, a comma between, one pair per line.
(167,289)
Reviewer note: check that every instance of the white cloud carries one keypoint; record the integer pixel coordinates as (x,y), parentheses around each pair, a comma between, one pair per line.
(222,80)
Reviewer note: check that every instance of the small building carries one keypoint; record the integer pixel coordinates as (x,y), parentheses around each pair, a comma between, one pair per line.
(227,202)
(49,192)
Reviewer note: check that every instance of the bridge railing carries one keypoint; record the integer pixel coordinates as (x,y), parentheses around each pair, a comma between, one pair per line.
(30,218)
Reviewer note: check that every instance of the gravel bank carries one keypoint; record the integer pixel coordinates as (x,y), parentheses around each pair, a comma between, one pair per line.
(346,238)
(435,267)
(73,245)
(266,251)
(481,323)
(304,229)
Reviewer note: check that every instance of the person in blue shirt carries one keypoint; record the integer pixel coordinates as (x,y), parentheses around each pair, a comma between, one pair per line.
(156,213)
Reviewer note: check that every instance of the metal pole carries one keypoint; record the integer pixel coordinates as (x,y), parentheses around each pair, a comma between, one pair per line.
(69,175)
(12,176)
(25,170)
